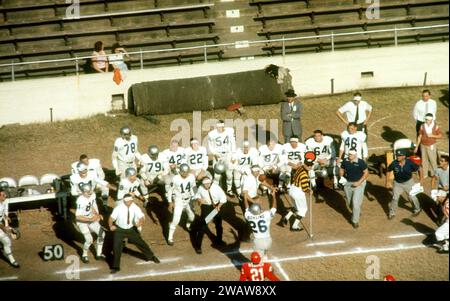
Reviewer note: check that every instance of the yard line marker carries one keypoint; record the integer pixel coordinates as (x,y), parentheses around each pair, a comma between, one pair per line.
(282,271)
(77,270)
(325,243)
(245,251)
(408,235)
(162,261)
(400,247)
(9,278)
(191,268)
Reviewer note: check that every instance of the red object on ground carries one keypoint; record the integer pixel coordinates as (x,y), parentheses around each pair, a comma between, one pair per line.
(389,278)
(233,107)
(416,159)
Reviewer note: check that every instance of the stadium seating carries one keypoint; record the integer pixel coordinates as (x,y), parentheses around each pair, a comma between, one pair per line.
(291,18)
(40,30)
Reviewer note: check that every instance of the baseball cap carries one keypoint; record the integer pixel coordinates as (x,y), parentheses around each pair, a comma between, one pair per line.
(400,152)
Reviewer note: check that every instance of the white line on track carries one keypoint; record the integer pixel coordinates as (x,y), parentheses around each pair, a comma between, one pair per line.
(400,247)
(408,235)
(325,243)
(191,269)
(282,271)
(245,251)
(76,271)
(166,260)
(9,278)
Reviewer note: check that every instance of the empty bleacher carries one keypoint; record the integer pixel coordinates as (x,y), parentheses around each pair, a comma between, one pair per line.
(301,18)
(40,30)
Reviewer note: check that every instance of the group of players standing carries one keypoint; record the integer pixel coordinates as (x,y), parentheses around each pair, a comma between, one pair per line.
(185,176)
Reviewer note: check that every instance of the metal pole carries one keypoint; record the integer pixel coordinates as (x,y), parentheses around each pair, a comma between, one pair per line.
(425,79)
(332,42)
(12,72)
(395,36)
(141,58)
(283,46)
(77,67)
(205,53)
(332,86)
(51,114)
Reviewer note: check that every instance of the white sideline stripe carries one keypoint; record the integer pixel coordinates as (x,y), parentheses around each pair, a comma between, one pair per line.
(325,243)
(408,235)
(282,271)
(245,251)
(77,270)
(162,261)
(399,247)
(191,269)
(9,278)
(379,147)
(375,122)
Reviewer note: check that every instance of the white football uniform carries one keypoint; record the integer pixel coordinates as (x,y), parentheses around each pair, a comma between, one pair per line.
(260,225)
(177,157)
(125,186)
(5,241)
(222,145)
(242,165)
(357,141)
(294,155)
(93,165)
(91,178)
(125,154)
(269,159)
(183,191)
(153,171)
(86,207)
(197,159)
(324,149)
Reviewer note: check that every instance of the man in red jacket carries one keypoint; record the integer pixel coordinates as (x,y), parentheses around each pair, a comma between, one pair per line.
(257,270)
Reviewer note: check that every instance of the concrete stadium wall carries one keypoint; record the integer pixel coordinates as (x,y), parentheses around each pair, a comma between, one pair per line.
(73,97)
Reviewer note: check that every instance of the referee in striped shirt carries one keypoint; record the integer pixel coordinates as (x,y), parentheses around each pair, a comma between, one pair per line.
(300,186)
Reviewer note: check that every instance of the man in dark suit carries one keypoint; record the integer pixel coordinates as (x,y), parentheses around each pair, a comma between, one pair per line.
(291,111)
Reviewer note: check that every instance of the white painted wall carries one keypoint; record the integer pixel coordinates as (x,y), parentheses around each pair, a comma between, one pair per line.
(29,101)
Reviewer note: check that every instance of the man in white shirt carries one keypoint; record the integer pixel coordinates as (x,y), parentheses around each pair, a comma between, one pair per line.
(424,106)
(183,190)
(210,197)
(5,239)
(243,159)
(88,220)
(125,152)
(125,220)
(357,111)
(93,165)
(222,144)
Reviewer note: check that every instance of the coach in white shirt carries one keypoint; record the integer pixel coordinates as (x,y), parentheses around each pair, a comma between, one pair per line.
(423,107)
(209,196)
(357,111)
(124,221)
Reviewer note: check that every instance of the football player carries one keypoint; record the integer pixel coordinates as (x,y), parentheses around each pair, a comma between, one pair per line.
(257,270)
(153,172)
(5,240)
(129,185)
(271,158)
(352,138)
(197,159)
(125,152)
(293,156)
(93,165)
(243,159)
(175,156)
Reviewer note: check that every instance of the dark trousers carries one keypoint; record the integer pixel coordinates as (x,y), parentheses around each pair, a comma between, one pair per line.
(135,238)
(418,125)
(362,128)
(201,227)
